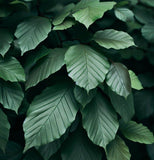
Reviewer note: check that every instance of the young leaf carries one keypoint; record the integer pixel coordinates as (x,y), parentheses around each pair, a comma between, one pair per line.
(5,41)
(100,121)
(135,82)
(124,14)
(4,130)
(63,14)
(86,67)
(147,32)
(82,97)
(31,32)
(111,38)
(137,132)
(118,79)
(117,150)
(11,70)
(125,107)
(11,95)
(46,66)
(88,11)
(79,147)
(49,115)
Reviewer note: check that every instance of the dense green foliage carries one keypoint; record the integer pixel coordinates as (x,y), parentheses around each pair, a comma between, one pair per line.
(76,80)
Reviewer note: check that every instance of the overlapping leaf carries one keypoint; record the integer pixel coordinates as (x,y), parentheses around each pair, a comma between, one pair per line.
(46,66)
(118,79)
(111,38)
(49,115)
(100,121)
(88,11)
(86,67)
(11,70)
(31,32)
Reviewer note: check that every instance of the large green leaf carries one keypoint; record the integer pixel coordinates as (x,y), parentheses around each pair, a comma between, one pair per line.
(66,11)
(137,132)
(147,32)
(82,97)
(125,107)
(117,150)
(5,41)
(11,70)
(79,147)
(135,82)
(49,115)
(31,32)
(11,95)
(46,66)
(111,38)
(118,79)
(4,130)
(124,14)
(88,11)
(100,121)
(86,66)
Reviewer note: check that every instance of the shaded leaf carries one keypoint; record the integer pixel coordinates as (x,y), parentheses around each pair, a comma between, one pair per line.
(86,67)
(100,121)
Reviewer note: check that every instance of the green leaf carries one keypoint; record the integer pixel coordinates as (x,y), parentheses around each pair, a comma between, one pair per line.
(118,150)
(82,97)
(79,147)
(111,38)
(66,11)
(31,32)
(150,149)
(148,2)
(11,95)
(46,66)
(125,107)
(147,32)
(11,70)
(100,121)
(4,130)
(137,132)
(124,14)
(88,11)
(86,66)
(49,115)
(5,41)
(118,79)
(135,82)
(65,25)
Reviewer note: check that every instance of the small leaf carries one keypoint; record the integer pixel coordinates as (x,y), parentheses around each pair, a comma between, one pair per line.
(118,79)
(11,70)
(4,130)
(137,132)
(147,32)
(125,107)
(82,97)
(5,41)
(79,147)
(135,82)
(88,11)
(66,11)
(117,150)
(31,32)
(100,121)
(86,67)
(111,38)
(11,95)
(124,14)
(49,115)
(46,66)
